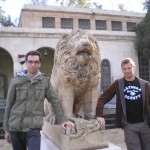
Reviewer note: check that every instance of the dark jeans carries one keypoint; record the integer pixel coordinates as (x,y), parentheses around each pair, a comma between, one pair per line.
(24,140)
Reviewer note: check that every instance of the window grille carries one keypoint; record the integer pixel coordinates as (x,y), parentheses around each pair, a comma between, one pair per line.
(116,26)
(130,26)
(100,25)
(143,68)
(84,24)
(48,22)
(67,23)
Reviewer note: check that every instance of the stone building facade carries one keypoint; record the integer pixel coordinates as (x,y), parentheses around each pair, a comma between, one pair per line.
(41,27)
(35,16)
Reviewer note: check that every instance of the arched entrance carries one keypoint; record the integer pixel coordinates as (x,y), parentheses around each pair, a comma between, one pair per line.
(6,72)
(47,60)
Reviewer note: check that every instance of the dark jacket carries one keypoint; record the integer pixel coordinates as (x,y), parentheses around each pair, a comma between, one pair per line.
(117,88)
(24,107)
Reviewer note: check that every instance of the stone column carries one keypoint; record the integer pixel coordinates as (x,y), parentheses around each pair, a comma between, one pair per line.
(75,23)
(57,23)
(108,23)
(124,26)
(92,22)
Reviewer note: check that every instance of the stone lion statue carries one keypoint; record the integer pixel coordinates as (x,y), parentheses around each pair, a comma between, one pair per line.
(76,73)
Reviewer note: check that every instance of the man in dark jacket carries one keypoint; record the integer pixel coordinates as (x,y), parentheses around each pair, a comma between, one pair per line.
(24,110)
(132,107)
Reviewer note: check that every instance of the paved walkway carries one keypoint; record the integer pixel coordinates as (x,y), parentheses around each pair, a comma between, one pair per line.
(115,136)
(4,145)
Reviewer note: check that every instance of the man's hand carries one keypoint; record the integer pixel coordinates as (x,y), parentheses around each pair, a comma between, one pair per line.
(101,121)
(7,136)
(67,123)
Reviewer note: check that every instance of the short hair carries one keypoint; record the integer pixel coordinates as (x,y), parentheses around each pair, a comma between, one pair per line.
(33,53)
(126,61)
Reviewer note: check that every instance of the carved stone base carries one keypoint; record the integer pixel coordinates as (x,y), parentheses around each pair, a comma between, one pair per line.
(90,141)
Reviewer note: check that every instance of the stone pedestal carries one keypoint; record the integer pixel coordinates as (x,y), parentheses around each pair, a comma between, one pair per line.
(90,141)
(47,144)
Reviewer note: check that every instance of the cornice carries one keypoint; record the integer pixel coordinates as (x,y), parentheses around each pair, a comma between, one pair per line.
(57,33)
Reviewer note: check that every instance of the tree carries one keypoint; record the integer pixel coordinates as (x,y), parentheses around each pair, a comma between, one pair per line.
(142,39)
(1,11)
(5,21)
(121,7)
(142,30)
(147,5)
(41,2)
(79,3)
(96,5)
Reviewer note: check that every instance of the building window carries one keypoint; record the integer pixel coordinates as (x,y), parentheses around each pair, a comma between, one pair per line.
(116,26)
(143,67)
(67,23)
(130,26)
(48,22)
(100,25)
(84,24)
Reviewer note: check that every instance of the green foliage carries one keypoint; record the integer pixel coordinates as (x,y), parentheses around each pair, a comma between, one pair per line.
(147,5)
(79,3)
(7,22)
(142,30)
(1,11)
(4,21)
(41,2)
(121,7)
(142,40)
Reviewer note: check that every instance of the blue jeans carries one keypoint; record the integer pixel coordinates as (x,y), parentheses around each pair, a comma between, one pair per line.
(24,140)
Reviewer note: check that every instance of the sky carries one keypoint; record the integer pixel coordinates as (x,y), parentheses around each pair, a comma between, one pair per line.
(13,7)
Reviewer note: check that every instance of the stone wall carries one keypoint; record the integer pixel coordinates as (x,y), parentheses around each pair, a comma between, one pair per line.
(114,46)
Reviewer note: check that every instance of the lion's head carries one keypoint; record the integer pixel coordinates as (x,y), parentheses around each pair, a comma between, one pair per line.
(77,49)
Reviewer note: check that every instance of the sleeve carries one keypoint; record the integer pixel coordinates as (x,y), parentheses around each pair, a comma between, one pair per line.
(9,103)
(108,94)
(56,106)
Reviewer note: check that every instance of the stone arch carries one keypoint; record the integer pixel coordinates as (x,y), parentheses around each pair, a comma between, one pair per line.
(6,70)
(47,59)
(105,74)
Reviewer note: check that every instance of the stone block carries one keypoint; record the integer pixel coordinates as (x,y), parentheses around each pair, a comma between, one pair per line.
(47,144)
(89,141)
